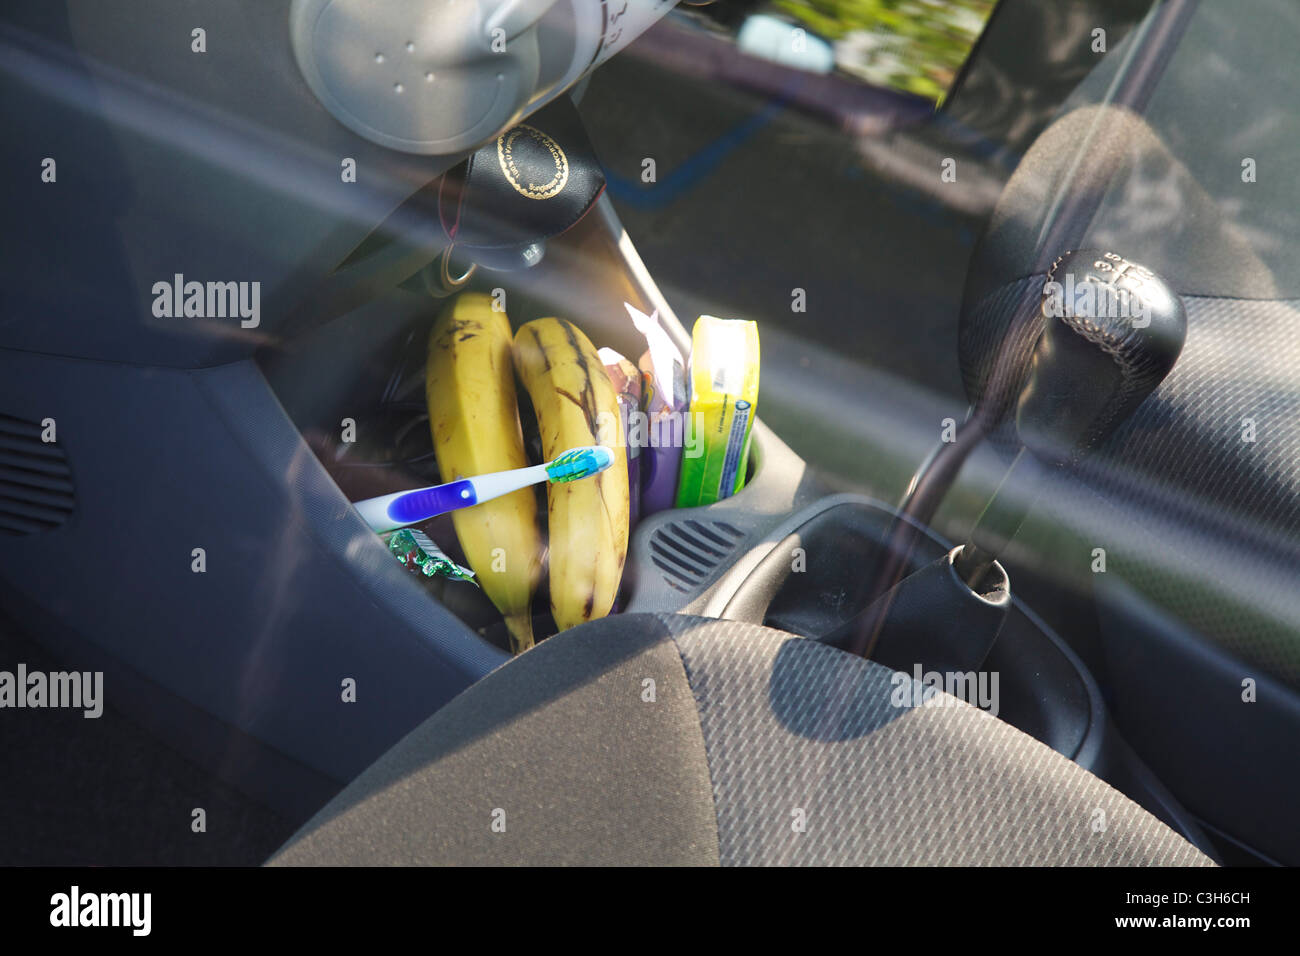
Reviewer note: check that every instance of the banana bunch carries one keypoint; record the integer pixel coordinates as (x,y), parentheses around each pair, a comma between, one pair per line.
(474,417)
(587,520)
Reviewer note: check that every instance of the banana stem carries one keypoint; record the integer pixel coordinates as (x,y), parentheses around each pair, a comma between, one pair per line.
(520,627)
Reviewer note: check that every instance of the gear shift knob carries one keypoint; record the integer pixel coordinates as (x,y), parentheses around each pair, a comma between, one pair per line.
(1112,331)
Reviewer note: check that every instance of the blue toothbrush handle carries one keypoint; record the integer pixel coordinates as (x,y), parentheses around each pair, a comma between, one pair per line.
(409,507)
(427,502)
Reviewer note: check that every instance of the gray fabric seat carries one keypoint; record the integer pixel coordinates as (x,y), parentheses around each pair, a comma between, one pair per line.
(668,739)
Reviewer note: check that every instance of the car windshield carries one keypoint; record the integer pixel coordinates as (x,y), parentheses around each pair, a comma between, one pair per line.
(395,385)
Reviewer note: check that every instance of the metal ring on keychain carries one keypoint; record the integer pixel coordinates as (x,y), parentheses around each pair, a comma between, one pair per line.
(446,284)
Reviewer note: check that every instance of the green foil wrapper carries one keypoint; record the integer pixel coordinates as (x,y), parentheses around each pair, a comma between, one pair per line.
(418,552)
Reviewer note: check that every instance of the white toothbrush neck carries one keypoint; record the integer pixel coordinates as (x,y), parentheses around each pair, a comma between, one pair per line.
(374,511)
(499,483)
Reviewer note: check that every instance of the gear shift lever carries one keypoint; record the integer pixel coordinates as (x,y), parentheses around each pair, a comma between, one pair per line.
(1112,331)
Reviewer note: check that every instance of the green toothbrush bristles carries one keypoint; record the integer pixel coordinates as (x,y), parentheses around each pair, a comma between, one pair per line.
(579,463)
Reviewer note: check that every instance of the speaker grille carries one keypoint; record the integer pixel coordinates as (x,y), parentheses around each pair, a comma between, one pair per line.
(36,491)
(688,552)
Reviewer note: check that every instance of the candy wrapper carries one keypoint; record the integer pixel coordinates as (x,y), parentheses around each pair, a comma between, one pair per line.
(664,401)
(626,379)
(416,550)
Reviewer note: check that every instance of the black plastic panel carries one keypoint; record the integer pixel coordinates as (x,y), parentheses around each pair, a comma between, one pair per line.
(1182,702)
(297,594)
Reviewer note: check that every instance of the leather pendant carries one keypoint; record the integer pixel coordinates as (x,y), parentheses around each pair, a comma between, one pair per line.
(531,183)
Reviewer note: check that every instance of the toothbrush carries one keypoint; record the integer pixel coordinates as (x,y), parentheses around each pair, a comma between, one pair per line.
(407,507)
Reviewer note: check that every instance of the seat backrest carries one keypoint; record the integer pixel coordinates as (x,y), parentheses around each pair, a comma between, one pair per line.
(643,739)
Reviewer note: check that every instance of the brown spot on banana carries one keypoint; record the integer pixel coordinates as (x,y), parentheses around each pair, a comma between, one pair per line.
(588,403)
(570,396)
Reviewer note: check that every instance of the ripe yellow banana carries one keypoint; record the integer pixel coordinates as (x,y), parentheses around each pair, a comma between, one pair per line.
(587,520)
(474,417)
